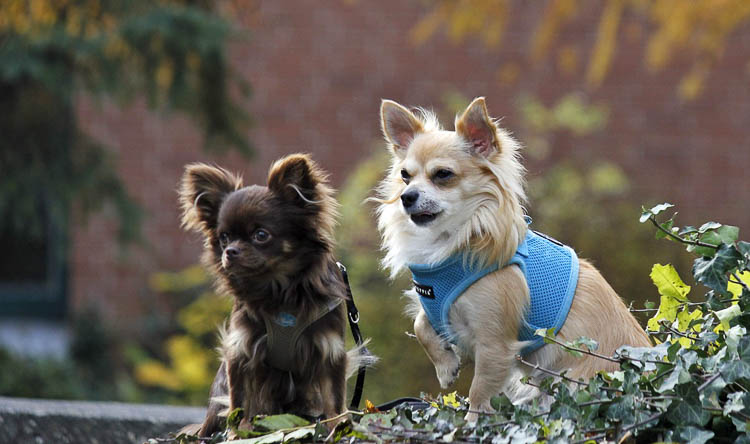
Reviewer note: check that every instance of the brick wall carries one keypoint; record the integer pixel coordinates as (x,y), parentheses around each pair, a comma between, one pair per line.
(319,70)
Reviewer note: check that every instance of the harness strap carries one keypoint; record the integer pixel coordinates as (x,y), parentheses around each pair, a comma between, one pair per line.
(283,331)
(353,316)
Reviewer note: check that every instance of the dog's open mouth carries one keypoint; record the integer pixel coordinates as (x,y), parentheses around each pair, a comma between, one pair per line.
(424,217)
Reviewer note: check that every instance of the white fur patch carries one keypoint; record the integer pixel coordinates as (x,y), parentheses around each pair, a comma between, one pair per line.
(331,345)
(234,342)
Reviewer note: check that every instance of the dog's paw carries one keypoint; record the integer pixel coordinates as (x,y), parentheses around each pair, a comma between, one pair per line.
(448,371)
(471,418)
(475,410)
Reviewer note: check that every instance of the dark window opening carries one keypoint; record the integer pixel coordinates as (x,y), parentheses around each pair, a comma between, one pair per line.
(33,271)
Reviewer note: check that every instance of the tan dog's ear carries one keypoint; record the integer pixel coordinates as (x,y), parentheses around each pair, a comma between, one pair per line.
(295,178)
(477,128)
(399,125)
(202,190)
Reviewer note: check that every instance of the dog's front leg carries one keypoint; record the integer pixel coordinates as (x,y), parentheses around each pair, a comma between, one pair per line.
(236,384)
(493,365)
(441,354)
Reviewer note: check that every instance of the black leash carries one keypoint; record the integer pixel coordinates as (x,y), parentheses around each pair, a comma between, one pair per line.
(416,403)
(353,315)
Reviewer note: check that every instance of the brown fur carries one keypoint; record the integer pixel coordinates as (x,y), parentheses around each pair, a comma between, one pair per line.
(478,209)
(294,268)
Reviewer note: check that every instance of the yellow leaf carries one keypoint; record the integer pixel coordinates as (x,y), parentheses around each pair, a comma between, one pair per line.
(370,407)
(450,400)
(725,316)
(673,294)
(684,317)
(736,289)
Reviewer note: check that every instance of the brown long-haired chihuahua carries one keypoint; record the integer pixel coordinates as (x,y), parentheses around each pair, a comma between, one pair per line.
(270,248)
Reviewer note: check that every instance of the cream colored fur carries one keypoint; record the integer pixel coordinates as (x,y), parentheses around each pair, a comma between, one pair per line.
(480,211)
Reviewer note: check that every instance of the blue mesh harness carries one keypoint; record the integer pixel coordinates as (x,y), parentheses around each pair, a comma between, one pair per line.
(551,271)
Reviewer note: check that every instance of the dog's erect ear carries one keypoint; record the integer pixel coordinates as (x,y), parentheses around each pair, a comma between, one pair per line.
(202,190)
(295,178)
(477,128)
(399,125)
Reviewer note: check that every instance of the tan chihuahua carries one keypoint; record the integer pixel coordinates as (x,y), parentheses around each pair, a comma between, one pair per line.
(452,212)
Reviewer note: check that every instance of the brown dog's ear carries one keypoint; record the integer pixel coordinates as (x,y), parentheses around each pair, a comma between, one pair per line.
(202,190)
(476,127)
(296,178)
(399,125)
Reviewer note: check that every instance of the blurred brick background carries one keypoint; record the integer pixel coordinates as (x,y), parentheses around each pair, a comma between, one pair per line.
(318,71)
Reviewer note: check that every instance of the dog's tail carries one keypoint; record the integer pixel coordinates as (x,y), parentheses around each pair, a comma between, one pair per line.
(358,357)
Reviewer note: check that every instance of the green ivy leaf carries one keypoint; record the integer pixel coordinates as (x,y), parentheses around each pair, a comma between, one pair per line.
(584,343)
(734,370)
(735,402)
(265,439)
(687,411)
(687,230)
(712,272)
(659,208)
(744,248)
(694,435)
(709,226)
(278,422)
(621,409)
(646,214)
(665,226)
(297,435)
(500,402)
(726,234)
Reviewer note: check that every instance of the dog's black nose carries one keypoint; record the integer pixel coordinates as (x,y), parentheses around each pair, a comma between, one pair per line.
(232,252)
(409,198)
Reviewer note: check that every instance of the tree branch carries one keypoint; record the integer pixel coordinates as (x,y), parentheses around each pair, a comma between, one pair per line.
(678,238)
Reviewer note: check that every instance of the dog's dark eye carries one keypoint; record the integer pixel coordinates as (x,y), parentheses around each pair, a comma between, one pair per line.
(261,236)
(405,176)
(443,174)
(223,239)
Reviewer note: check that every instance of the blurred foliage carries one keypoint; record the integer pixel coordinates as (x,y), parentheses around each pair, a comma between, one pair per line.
(184,365)
(674,29)
(52,51)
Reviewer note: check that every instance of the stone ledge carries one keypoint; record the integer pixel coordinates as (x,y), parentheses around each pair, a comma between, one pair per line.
(42,421)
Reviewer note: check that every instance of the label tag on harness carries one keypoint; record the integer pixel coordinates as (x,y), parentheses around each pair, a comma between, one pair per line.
(286,320)
(425,291)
